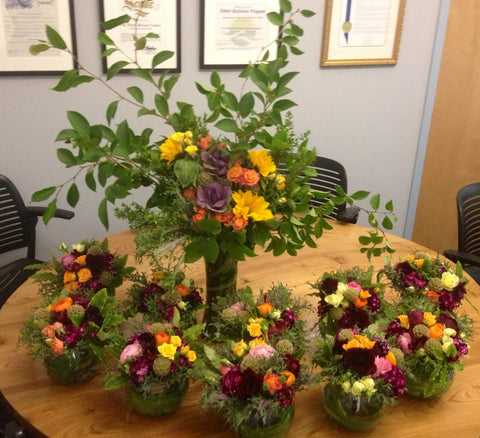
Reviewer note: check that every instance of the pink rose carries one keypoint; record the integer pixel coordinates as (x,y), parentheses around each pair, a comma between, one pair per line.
(238,307)
(404,342)
(262,352)
(383,366)
(354,285)
(131,351)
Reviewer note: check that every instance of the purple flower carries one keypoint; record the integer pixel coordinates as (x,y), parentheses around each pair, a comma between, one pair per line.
(353,317)
(289,318)
(249,384)
(214,161)
(229,382)
(286,395)
(396,378)
(395,329)
(447,301)
(459,292)
(448,321)
(461,347)
(94,315)
(374,303)
(293,365)
(139,369)
(214,196)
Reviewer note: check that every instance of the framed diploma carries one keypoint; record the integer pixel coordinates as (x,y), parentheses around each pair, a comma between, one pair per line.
(362,32)
(234,33)
(23,23)
(159,18)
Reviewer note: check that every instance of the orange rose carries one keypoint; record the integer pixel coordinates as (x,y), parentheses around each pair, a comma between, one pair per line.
(84,275)
(433,296)
(182,290)
(436,330)
(56,346)
(239,223)
(204,142)
(264,308)
(290,378)
(273,382)
(63,304)
(72,287)
(48,331)
(82,260)
(235,173)
(250,177)
(162,338)
(224,218)
(68,277)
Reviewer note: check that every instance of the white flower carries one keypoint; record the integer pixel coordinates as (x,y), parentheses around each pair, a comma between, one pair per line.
(369,384)
(275,314)
(334,299)
(446,345)
(450,280)
(358,387)
(78,247)
(346,386)
(341,287)
(449,332)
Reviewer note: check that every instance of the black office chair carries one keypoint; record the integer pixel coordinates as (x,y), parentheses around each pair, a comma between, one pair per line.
(468,214)
(17,231)
(330,173)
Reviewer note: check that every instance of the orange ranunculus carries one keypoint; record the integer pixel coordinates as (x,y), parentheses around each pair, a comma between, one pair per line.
(434,296)
(57,346)
(419,262)
(235,174)
(391,358)
(290,378)
(239,223)
(63,304)
(224,218)
(68,277)
(359,341)
(162,338)
(359,303)
(71,287)
(189,193)
(84,275)
(82,260)
(273,382)
(250,177)
(264,308)
(436,330)
(199,215)
(48,331)
(204,142)
(182,290)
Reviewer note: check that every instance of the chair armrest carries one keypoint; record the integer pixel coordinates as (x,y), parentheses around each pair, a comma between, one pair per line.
(349,215)
(462,257)
(59,213)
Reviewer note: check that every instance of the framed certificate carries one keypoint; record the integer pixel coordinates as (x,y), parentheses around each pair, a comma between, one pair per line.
(362,32)
(159,18)
(234,33)
(23,24)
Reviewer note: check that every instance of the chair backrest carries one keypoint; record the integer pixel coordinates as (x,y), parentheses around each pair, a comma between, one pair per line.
(468,208)
(17,228)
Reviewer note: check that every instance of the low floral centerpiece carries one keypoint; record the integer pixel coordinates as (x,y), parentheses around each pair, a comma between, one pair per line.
(219,181)
(85,268)
(154,366)
(347,299)
(252,386)
(362,376)
(72,335)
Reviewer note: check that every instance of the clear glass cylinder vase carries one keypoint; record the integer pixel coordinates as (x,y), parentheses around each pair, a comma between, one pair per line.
(277,427)
(427,387)
(72,367)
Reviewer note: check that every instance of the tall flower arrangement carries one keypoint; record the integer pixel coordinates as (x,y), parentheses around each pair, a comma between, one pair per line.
(215,181)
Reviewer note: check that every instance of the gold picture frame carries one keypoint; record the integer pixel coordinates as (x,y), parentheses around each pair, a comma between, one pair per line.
(362,32)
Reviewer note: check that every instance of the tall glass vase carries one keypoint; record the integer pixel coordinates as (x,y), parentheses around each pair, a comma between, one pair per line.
(221,277)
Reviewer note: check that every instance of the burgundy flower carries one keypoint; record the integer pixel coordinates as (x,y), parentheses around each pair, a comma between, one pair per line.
(353,317)
(293,365)
(229,382)
(360,360)
(286,395)
(250,383)
(194,298)
(396,378)
(329,286)
(94,315)
(288,318)
(139,369)
(373,303)
(448,321)
(459,292)
(381,347)
(461,347)
(395,329)
(150,291)
(214,196)
(447,301)
(415,317)
(322,308)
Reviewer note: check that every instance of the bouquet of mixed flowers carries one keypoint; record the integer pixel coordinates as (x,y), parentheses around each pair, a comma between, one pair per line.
(362,374)
(165,297)
(214,179)
(85,269)
(274,316)
(432,344)
(71,328)
(157,359)
(252,385)
(347,299)
(430,277)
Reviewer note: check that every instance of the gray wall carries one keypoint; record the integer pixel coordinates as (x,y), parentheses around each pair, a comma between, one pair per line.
(369,118)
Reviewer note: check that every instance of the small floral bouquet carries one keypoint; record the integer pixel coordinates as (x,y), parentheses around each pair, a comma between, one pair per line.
(347,299)
(362,376)
(86,268)
(154,365)
(432,344)
(424,275)
(72,334)
(273,316)
(252,386)
(164,297)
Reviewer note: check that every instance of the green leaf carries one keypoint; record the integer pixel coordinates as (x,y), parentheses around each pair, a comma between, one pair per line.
(210,226)
(246,104)
(66,157)
(35,49)
(161,57)
(115,68)
(307,13)
(105,39)
(365,240)
(372,220)
(73,195)
(50,211)
(115,22)
(285,5)
(186,171)
(140,43)
(43,194)
(142,73)
(201,247)
(66,81)
(375,202)
(389,206)
(275,18)
(111,110)
(90,181)
(215,79)
(387,223)
(283,105)
(116,381)
(136,93)
(227,125)
(358,196)
(161,104)
(103,213)
(79,123)
(55,39)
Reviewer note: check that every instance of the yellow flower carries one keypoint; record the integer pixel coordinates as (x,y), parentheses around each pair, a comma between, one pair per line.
(175,341)
(191,356)
(185,349)
(84,275)
(450,280)
(255,342)
(240,348)
(280,180)
(358,387)
(249,205)
(364,294)
(404,322)
(167,350)
(262,161)
(171,148)
(254,329)
(334,299)
(359,341)
(429,318)
(82,260)
(191,150)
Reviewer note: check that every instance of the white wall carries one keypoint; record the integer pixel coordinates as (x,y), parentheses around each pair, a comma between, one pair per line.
(369,118)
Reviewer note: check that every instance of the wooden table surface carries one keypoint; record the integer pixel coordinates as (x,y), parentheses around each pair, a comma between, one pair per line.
(88,410)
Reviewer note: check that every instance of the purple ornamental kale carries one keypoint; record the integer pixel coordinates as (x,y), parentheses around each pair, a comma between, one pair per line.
(214,197)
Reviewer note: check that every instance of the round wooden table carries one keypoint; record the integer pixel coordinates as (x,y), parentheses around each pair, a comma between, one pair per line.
(88,410)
